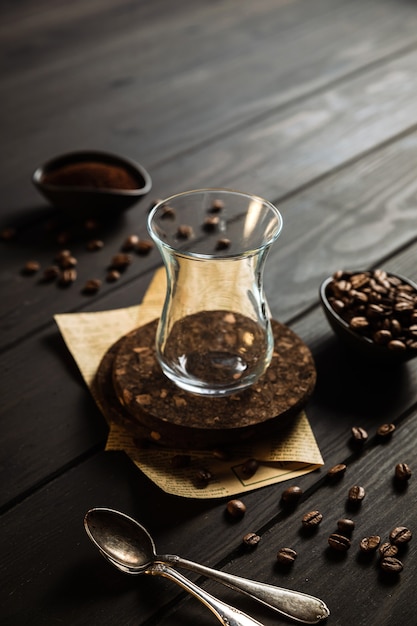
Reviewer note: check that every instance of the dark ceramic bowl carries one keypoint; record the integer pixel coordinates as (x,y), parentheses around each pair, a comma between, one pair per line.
(357,341)
(106,197)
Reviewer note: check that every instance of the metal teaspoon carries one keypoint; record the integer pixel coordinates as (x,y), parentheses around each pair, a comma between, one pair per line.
(133,553)
(128,546)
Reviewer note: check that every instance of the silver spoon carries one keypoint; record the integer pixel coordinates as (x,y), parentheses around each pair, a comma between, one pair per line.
(133,553)
(128,546)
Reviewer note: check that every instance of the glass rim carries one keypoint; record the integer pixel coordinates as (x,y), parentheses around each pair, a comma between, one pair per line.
(223,253)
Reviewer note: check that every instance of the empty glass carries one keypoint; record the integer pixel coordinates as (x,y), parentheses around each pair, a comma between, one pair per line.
(214,335)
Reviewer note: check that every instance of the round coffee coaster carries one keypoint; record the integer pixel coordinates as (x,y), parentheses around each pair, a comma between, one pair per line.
(156,408)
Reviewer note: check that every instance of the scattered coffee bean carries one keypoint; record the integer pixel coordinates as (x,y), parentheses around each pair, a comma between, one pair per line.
(184,231)
(345,526)
(167,212)
(337,471)
(8,233)
(68,262)
(63,237)
(391,565)
(312,519)
(223,243)
(250,467)
(31,267)
(286,556)
(216,206)
(387,549)
(400,535)
(91,224)
(121,261)
(339,542)
(251,540)
(402,472)
(370,544)
(359,434)
(67,277)
(356,494)
(291,495)
(179,461)
(144,246)
(236,508)
(211,223)
(50,273)
(203,477)
(62,254)
(91,286)
(129,243)
(385,431)
(94,245)
(112,276)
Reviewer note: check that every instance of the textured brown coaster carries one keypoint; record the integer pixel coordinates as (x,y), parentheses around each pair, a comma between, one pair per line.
(132,390)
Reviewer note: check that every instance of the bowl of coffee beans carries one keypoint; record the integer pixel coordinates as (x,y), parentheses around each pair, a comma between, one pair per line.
(92,183)
(373,312)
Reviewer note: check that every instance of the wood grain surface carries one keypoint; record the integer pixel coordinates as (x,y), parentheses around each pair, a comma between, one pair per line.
(309,103)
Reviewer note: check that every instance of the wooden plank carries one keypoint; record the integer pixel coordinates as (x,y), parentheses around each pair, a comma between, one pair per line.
(34,531)
(153,97)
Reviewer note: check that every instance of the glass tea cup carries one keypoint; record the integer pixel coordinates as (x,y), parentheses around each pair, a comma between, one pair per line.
(214,336)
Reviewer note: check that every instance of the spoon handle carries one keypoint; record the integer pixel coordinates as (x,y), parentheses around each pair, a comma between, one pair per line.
(293,604)
(226,614)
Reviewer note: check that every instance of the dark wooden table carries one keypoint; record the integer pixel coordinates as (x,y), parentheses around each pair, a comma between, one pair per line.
(309,103)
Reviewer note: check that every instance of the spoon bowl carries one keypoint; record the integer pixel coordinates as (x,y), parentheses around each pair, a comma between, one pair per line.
(130,548)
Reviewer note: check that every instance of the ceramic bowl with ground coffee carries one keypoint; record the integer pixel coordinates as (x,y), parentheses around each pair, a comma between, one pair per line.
(373,312)
(92,183)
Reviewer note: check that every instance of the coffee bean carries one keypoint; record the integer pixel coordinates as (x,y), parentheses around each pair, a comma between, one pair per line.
(250,467)
(251,540)
(400,535)
(236,508)
(167,212)
(337,471)
(129,243)
(291,495)
(359,434)
(356,494)
(50,273)
(339,542)
(91,286)
(67,277)
(370,544)
(286,556)
(211,223)
(402,472)
(184,231)
(121,261)
(94,245)
(112,276)
(312,519)
(385,431)
(8,233)
(216,206)
(391,565)
(377,305)
(203,477)
(223,243)
(387,549)
(144,246)
(67,262)
(345,526)
(31,267)
(61,255)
